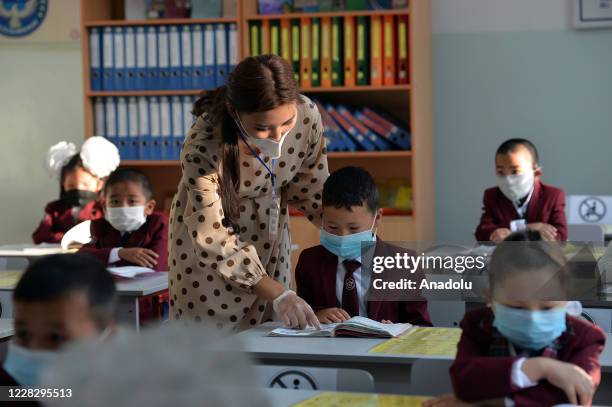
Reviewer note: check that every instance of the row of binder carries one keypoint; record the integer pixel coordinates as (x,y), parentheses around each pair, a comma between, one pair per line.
(361,129)
(144,128)
(338,51)
(190,56)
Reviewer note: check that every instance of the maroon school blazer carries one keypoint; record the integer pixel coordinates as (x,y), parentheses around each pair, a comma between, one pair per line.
(7,380)
(483,366)
(59,219)
(547,205)
(152,235)
(315,276)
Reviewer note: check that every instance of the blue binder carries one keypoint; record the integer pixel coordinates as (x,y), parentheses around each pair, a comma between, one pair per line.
(152,148)
(210,67)
(95,59)
(122,128)
(378,142)
(99,118)
(396,133)
(221,54)
(110,119)
(174,48)
(130,58)
(143,127)
(108,74)
(133,133)
(186,56)
(177,127)
(119,54)
(140,81)
(163,57)
(360,140)
(233,47)
(197,42)
(165,124)
(152,67)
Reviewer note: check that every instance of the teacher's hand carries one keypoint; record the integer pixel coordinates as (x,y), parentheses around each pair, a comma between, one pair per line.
(294,311)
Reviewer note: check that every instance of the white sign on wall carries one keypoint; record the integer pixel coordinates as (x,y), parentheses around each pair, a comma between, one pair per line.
(590,209)
(592,13)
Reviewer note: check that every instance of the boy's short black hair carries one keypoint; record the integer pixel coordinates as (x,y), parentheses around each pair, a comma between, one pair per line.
(55,276)
(526,251)
(511,145)
(350,186)
(130,175)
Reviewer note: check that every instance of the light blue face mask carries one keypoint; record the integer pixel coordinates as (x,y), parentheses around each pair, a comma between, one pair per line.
(531,330)
(25,365)
(348,246)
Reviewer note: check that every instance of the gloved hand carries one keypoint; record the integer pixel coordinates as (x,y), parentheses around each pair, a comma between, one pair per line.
(294,311)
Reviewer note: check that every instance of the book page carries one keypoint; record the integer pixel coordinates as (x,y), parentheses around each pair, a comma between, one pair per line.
(422,341)
(370,325)
(326,330)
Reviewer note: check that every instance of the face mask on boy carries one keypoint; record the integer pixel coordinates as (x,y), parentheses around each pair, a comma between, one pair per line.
(126,218)
(532,330)
(269,148)
(516,187)
(25,365)
(348,246)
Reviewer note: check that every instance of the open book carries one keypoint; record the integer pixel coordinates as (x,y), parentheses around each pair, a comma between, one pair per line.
(359,327)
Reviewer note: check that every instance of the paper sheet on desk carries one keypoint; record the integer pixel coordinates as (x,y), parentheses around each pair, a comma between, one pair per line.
(77,236)
(9,278)
(334,399)
(129,271)
(422,341)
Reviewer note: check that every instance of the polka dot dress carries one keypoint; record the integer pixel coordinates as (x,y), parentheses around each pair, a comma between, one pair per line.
(212,270)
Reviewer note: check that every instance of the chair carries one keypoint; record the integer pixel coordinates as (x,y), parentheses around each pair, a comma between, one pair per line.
(586,233)
(430,377)
(311,378)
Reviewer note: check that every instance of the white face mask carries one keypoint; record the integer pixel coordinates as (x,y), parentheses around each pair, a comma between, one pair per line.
(269,148)
(126,218)
(516,187)
(25,365)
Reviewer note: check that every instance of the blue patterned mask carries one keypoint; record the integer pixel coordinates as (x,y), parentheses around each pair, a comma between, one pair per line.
(531,330)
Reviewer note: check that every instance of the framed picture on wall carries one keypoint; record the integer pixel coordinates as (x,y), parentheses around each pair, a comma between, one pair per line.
(592,13)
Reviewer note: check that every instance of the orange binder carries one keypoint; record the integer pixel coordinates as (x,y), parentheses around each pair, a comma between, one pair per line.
(286,39)
(326,58)
(264,46)
(349,51)
(376,50)
(402,50)
(305,60)
(389,51)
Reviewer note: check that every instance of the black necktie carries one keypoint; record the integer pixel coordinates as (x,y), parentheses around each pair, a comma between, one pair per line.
(350,300)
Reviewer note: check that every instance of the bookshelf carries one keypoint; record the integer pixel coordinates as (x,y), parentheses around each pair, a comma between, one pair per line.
(411,103)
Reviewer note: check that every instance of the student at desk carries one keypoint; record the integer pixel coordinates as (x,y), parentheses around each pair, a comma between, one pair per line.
(81,178)
(524,349)
(330,277)
(130,233)
(59,299)
(520,200)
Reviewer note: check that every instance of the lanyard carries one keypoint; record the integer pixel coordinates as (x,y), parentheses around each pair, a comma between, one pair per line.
(272,175)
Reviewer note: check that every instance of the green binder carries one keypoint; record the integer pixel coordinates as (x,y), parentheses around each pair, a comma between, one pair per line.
(363,50)
(337,55)
(316,53)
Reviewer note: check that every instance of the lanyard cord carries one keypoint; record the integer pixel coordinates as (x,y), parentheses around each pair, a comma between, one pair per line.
(272,175)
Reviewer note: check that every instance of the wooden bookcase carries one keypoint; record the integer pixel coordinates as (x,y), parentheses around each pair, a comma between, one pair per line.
(411,103)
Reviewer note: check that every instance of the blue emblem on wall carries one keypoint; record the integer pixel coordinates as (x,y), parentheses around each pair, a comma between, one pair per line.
(21,17)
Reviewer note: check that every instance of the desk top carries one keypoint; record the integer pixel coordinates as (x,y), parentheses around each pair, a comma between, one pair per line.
(29,250)
(139,286)
(6,328)
(255,342)
(286,397)
(606,356)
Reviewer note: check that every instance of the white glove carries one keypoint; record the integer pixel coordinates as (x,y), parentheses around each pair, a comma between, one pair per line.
(294,311)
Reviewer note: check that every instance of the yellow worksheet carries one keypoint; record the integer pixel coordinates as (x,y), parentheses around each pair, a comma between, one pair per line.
(422,341)
(330,399)
(9,278)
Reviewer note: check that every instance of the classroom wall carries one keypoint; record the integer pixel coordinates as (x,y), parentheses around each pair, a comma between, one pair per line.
(516,68)
(41,104)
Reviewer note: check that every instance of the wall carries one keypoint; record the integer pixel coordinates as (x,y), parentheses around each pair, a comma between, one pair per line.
(516,68)
(41,104)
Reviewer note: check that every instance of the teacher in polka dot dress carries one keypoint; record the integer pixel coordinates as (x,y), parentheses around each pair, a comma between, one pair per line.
(257,146)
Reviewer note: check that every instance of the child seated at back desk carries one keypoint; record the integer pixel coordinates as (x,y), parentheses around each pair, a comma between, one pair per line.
(329,277)
(59,299)
(130,233)
(81,177)
(524,349)
(521,200)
